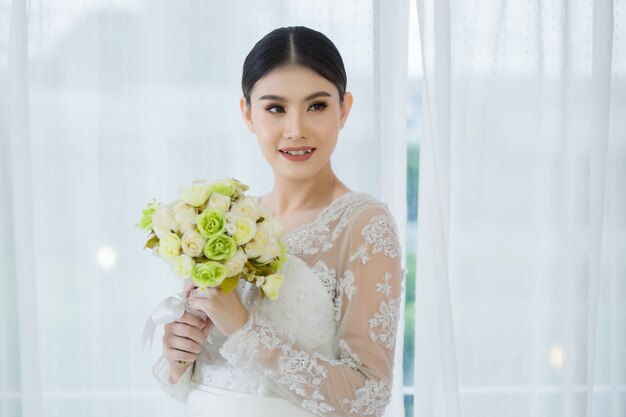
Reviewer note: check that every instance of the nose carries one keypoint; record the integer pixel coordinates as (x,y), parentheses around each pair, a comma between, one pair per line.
(294,128)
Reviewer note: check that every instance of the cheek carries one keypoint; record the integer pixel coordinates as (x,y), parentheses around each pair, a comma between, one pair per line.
(328,128)
(266,127)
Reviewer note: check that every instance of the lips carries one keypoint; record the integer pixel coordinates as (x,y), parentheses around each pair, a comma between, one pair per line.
(297,148)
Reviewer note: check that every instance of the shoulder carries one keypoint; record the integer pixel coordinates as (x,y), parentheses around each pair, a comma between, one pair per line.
(373,221)
(367,208)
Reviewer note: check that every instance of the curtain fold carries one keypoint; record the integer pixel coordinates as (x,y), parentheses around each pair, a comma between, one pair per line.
(390,154)
(21,213)
(521,220)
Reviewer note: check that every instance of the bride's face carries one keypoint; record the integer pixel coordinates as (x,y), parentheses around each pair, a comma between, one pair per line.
(292,107)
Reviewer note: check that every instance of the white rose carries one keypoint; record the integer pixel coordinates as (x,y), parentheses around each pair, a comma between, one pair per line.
(185,215)
(183,212)
(183,266)
(220,202)
(256,246)
(274,226)
(193,243)
(231,228)
(247,207)
(163,221)
(236,263)
(272,250)
(195,195)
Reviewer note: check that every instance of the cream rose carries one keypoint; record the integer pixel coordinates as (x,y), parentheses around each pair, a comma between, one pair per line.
(273,226)
(183,266)
(163,221)
(256,246)
(195,195)
(219,201)
(236,263)
(272,251)
(245,229)
(169,247)
(272,284)
(247,207)
(193,243)
(185,215)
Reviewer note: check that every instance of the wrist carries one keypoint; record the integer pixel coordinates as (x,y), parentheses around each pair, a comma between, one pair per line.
(176,371)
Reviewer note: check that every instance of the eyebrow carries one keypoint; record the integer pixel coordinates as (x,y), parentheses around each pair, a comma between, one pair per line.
(279,98)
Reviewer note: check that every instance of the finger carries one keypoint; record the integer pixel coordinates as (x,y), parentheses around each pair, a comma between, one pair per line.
(192,320)
(184,344)
(189,285)
(190,332)
(204,293)
(208,325)
(178,355)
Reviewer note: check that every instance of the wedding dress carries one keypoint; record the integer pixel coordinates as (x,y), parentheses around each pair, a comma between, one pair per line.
(326,345)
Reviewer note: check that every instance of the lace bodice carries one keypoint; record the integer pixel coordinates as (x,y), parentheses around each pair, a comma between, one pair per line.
(327,344)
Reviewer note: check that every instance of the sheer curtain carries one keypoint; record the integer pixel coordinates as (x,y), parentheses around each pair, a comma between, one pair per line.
(521,266)
(106,104)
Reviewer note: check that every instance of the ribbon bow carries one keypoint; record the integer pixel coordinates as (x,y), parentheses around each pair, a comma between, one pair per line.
(167,311)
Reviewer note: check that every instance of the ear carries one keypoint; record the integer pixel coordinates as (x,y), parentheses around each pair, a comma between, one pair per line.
(345,108)
(246,112)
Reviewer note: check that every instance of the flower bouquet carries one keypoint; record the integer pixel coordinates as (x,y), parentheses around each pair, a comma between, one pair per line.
(214,235)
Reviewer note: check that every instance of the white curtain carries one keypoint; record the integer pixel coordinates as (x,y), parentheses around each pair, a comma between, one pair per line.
(521,259)
(107,104)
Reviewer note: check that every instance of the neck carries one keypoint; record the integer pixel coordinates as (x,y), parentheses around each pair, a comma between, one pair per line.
(290,196)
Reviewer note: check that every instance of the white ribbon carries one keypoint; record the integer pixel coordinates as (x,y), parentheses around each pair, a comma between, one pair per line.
(167,311)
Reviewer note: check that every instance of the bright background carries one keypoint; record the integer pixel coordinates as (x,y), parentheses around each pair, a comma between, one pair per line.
(495,130)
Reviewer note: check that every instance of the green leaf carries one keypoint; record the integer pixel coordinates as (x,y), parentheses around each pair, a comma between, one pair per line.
(229,283)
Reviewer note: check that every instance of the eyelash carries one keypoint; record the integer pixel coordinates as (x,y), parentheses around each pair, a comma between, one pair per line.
(272,106)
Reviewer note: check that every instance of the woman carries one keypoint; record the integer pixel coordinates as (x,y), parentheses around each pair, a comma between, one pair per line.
(326,346)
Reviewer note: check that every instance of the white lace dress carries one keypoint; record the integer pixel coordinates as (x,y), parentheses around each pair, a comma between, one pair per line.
(326,346)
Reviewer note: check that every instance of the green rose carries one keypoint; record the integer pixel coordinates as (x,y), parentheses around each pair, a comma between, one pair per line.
(146,216)
(220,247)
(208,274)
(211,222)
(225,187)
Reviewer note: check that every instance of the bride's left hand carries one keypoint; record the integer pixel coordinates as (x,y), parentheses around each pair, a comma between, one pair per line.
(226,311)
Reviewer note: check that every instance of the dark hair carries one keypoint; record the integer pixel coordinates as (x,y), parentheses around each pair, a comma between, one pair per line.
(296,45)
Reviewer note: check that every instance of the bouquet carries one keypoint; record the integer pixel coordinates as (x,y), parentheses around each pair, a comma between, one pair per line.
(215,235)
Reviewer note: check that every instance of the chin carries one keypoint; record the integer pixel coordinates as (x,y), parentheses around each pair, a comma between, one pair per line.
(297,173)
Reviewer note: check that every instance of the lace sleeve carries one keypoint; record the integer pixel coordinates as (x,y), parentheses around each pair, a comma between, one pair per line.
(367,308)
(179,390)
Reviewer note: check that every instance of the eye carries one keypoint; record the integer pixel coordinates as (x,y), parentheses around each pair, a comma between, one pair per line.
(275,108)
(318,106)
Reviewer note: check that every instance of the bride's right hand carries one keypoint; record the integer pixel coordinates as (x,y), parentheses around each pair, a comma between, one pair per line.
(182,341)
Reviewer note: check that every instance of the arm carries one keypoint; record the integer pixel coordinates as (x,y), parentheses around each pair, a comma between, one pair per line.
(368,300)
(178,390)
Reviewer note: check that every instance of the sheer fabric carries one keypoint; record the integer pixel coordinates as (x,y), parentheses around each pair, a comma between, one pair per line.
(521,228)
(328,343)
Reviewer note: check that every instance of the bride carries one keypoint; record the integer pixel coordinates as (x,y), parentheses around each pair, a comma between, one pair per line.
(326,346)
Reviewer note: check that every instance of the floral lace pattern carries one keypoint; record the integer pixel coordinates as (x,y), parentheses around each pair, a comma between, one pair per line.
(327,276)
(383,324)
(346,287)
(371,400)
(382,233)
(317,236)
